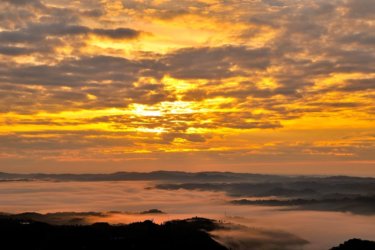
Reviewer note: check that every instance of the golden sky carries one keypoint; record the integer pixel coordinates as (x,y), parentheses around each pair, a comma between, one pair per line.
(273,86)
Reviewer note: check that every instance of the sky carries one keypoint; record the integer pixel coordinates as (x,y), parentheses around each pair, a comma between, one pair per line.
(270,86)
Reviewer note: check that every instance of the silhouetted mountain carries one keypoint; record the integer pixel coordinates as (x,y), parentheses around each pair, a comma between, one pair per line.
(356,244)
(156,175)
(52,228)
(180,234)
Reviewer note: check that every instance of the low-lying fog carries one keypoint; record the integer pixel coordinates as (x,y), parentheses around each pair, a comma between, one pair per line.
(262,227)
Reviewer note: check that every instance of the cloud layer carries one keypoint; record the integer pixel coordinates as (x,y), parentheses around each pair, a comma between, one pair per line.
(222,83)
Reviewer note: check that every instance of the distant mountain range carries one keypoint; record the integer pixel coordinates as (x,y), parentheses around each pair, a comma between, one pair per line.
(156,175)
(175,176)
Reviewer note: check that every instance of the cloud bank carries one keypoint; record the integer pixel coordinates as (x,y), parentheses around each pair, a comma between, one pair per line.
(222,83)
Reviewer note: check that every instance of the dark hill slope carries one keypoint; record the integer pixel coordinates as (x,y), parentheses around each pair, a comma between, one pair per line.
(183,235)
(356,244)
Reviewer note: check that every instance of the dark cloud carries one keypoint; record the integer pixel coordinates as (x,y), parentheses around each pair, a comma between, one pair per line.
(14,51)
(215,63)
(90,70)
(93,13)
(22,2)
(359,85)
(167,9)
(67,141)
(108,78)
(119,33)
(37,35)
(359,38)
(278,3)
(363,9)
(169,137)
(60,29)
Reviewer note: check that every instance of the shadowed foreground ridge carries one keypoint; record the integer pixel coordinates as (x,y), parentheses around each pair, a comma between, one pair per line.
(179,234)
(356,244)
